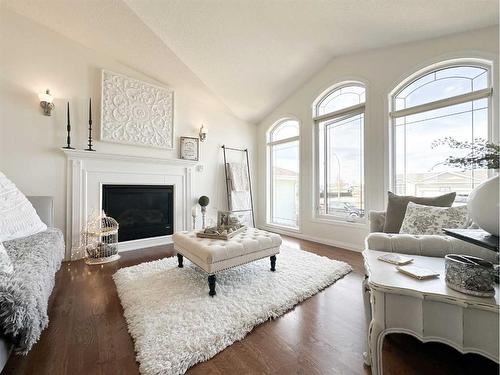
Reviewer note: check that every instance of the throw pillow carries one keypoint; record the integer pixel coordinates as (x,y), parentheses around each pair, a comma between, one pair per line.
(396,208)
(421,219)
(18,218)
(6,267)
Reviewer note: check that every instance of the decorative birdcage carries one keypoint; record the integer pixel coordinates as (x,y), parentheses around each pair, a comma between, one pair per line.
(100,239)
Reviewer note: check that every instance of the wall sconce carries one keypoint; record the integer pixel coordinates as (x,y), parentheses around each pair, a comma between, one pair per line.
(46,102)
(203,133)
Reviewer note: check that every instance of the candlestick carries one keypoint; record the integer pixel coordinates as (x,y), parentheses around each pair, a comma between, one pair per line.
(194,213)
(203,216)
(90,127)
(68,129)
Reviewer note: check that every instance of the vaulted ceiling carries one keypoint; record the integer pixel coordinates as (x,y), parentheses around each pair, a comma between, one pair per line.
(252,54)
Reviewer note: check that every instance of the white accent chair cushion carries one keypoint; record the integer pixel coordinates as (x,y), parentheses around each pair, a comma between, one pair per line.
(18,218)
(421,220)
(215,255)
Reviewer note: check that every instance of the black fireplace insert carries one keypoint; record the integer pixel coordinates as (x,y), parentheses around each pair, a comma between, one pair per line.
(142,211)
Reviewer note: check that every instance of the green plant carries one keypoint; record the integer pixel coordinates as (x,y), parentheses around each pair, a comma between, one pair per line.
(203,201)
(482,154)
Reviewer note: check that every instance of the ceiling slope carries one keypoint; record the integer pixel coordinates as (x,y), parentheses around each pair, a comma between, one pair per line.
(255,53)
(112,28)
(252,54)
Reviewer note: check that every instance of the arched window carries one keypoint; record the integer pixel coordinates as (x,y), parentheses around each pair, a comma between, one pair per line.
(339,124)
(451,100)
(283,161)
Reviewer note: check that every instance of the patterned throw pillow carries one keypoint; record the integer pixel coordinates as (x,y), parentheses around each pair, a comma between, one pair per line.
(421,219)
(5,262)
(18,218)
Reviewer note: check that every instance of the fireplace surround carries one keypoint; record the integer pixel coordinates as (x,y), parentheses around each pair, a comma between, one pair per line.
(89,172)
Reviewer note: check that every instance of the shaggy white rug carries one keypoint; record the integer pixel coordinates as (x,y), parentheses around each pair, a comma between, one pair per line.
(176,324)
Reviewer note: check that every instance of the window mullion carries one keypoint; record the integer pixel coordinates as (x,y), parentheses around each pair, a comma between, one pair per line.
(349,111)
(459,99)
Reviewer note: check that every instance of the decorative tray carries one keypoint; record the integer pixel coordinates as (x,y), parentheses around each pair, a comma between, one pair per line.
(226,236)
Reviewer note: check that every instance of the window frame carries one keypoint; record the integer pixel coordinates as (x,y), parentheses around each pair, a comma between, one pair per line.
(269,165)
(393,114)
(337,115)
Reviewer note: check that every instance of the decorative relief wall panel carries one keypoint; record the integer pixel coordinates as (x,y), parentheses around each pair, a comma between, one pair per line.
(136,112)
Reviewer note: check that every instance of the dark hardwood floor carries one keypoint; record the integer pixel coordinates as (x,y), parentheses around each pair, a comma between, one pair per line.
(325,334)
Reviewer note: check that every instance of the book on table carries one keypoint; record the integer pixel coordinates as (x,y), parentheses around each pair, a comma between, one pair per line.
(396,259)
(416,272)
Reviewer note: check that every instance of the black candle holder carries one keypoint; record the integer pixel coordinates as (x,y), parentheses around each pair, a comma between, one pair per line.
(90,127)
(68,129)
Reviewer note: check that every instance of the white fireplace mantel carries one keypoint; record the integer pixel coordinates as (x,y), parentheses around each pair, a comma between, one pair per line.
(88,171)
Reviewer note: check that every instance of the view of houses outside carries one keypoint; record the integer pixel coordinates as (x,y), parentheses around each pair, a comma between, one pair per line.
(428,184)
(286,206)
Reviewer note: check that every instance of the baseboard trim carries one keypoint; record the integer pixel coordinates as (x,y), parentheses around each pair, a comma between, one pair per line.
(324,241)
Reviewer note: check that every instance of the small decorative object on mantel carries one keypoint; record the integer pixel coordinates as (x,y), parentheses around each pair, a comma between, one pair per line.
(227,227)
(203,202)
(100,239)
(189,148)
(68,129)
(470,275)
(90,127)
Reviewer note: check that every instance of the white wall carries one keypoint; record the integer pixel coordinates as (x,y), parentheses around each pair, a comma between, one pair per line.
(33,58)
(381,70)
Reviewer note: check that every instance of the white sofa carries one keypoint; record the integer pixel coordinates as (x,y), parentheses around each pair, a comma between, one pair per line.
(427,245)
(25,295)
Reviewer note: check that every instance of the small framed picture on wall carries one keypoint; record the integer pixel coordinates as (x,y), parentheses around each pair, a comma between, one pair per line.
(190,148)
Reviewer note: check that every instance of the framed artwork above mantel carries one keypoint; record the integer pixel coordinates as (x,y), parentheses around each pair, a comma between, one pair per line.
(136,112)
(189,148)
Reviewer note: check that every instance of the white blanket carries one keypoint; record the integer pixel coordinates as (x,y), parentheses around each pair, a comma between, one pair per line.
(238,175)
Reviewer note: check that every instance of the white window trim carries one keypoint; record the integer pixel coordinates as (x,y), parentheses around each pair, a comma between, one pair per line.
(269,174)
(339,115)
(458,99)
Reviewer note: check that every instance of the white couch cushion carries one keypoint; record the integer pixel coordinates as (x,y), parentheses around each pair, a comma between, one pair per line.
(18,218)
(429,245)
(420,219)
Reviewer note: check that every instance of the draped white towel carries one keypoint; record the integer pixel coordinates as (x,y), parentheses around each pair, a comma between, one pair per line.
(240,200)
(239,177)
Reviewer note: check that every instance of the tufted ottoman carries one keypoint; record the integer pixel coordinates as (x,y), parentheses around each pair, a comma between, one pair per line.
(213,255)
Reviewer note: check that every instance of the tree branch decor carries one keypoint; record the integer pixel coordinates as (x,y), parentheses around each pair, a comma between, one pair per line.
(482,154)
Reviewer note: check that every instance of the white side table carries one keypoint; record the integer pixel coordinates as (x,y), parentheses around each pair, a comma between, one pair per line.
(427,310)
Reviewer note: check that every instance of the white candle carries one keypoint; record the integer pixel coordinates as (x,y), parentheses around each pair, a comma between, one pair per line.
(194,211)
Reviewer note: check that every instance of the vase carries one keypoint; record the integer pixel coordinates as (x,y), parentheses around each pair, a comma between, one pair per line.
(483,205)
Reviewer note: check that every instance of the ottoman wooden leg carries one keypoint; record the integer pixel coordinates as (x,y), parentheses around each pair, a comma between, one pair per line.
(273,263)
(211,285)
(180,258)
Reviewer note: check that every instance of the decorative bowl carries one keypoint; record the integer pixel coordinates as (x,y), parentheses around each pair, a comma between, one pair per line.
(470,275)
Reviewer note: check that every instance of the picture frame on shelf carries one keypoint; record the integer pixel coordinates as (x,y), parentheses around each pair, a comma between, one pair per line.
(189,148)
